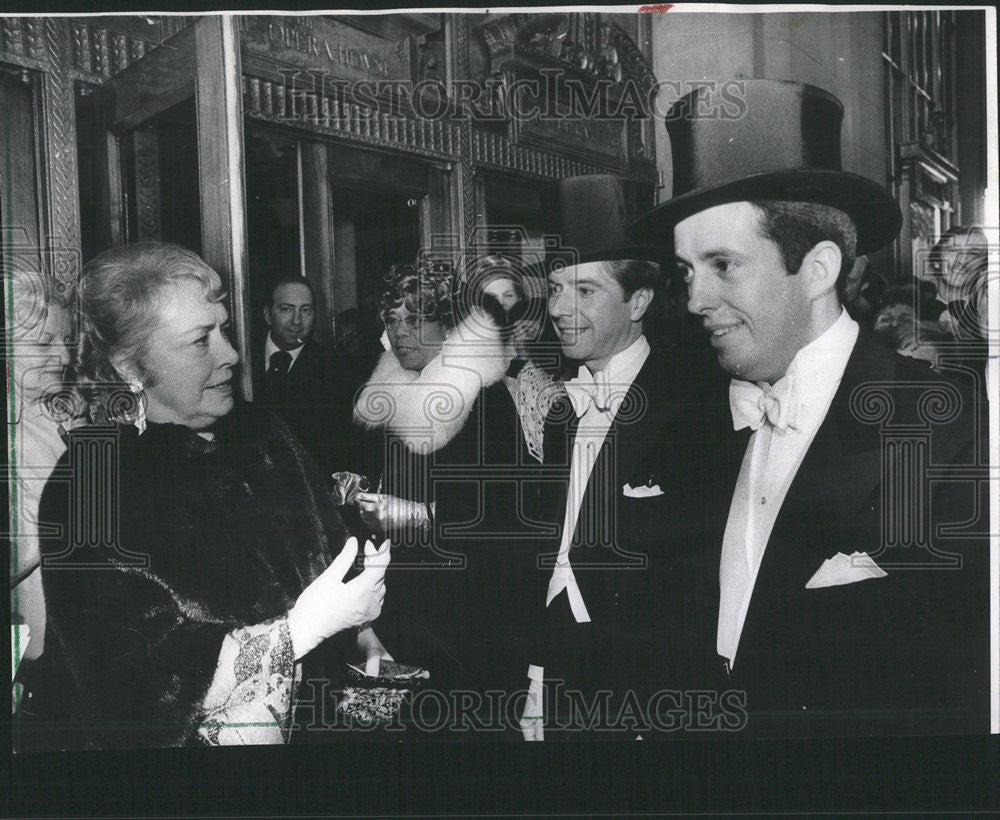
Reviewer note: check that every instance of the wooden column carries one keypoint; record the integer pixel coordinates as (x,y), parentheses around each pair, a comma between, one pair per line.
(317,235)
(438,211)
(219,105)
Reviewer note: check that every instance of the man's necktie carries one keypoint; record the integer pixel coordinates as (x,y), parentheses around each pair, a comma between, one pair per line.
(753,404)
(278,367)
(587,389)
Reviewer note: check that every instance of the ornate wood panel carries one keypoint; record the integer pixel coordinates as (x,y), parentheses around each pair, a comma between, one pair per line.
(921,91)
(42,44)
(418,48)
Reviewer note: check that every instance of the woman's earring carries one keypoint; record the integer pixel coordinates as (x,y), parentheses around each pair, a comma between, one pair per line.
(140,414)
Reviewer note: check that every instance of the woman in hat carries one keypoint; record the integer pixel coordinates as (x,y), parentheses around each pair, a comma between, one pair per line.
(443,411)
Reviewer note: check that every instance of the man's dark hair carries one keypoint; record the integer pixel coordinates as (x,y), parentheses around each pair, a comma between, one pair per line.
(633,274)
(798,227)
(290,279)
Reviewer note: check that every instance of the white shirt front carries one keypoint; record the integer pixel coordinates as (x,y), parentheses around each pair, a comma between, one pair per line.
(618,375)
(270,348)
(771,461)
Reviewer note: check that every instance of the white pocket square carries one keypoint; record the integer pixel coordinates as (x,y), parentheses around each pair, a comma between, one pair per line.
(641,491)
(845,569)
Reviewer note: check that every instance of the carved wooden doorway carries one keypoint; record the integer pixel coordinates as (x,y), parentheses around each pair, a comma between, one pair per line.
(165,141)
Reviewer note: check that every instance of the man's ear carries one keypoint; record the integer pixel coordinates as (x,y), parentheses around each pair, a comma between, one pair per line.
(267,316)
(639,303)
(821,268)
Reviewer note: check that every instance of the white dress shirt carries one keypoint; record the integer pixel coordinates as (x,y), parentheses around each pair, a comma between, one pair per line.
(617,376)
(270,348)
(771,461)
(614,380)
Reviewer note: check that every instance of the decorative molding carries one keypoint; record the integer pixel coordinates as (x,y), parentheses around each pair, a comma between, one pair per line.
(467,135)
(59,128)
(332,115)
(582,43)
(630,57)
(12,36)
(495,152)
(35,30)
(103,52)
(80,39)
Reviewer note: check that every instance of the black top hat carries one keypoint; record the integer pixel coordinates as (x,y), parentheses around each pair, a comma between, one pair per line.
(594,215)
(782,142)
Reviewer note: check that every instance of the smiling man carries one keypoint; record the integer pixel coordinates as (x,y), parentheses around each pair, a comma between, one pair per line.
(842,610)
(622,604)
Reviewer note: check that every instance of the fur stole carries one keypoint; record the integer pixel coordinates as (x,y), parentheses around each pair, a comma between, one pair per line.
(428,409)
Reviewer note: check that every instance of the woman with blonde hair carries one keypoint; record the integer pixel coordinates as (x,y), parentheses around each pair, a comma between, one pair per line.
(192,571)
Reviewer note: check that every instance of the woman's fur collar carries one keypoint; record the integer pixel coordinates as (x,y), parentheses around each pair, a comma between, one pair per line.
(428,409)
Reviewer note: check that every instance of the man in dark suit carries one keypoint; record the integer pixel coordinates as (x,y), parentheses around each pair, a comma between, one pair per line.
(625,593)
(853,570)
(296,379)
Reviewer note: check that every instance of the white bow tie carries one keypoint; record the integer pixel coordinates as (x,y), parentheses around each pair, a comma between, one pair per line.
(753,404)
(587,389)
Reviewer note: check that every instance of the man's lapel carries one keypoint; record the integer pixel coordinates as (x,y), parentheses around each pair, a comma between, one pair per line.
(628,454)
(830,493)
(304,364)
(640,421)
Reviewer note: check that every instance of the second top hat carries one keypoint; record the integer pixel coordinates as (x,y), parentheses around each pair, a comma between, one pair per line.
(595,211)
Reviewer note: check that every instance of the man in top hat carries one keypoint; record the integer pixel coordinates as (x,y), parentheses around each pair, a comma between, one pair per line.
(853,575)
(622,603)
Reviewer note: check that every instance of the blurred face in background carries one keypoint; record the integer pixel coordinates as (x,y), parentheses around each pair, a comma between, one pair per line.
(504,290)
(41,354)
(347,339)
(415,340)
(855,279)
(960,260)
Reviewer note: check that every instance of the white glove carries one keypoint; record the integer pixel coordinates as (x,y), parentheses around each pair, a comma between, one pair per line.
(328,605)
(386,514)
(533,716)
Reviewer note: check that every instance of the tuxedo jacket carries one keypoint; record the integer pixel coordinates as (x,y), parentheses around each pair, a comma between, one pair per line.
(892,472)
(646,570)
(307,398)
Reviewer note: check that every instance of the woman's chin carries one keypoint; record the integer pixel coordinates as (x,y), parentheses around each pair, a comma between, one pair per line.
(226,406)
(216,410)
(409,359)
